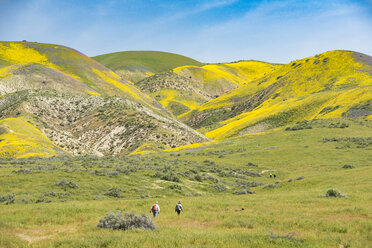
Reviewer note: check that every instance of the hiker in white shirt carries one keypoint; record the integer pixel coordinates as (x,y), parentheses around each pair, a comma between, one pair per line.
(155,209)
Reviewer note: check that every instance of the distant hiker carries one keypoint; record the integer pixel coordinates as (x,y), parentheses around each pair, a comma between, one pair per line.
(155,209)
(271,175)
(274,175)
(179,208)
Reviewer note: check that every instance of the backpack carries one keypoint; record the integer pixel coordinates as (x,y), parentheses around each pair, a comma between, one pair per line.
(153,207)
(178,207)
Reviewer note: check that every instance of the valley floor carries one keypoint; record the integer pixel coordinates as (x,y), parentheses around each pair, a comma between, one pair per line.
(297,219)
(48,211)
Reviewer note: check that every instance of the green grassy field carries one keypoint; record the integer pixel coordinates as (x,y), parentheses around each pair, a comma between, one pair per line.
(209,180)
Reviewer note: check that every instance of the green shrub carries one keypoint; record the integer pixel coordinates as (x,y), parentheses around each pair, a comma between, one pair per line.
(219,187)
(114,192)
(270,186)
(252,173)
(66,184)
(300,126)
(168,177)
(348,166)
(210,177)
(198,178)
(8,199)
(243,192)
(126,222)
(175,186)
(334,193)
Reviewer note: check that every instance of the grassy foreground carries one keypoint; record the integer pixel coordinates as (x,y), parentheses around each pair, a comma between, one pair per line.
(207,180)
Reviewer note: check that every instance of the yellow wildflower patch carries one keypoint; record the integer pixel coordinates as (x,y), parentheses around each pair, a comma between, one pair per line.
(146,148)
(238,73)
(20,139)
(5,72)
(93,93)
(17,53)
(130,90)
(174,95)
(188,147)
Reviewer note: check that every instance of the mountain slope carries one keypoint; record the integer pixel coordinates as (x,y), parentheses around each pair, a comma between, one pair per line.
(187,87)
(137,65)
(20,139)
(28,65)
(329,85)
(81,105)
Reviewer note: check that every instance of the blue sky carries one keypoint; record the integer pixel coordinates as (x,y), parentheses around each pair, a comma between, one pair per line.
(209,31)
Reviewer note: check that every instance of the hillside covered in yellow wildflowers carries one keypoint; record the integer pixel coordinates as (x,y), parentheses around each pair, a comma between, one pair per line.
(334,84)
(187,87)
(79,105)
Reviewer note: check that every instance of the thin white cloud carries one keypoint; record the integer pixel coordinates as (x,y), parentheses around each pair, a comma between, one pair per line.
(276,33)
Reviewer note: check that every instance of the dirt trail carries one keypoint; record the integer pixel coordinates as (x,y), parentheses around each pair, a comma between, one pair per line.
(33,235)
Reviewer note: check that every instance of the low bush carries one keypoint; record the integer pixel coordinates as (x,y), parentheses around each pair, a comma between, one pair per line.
(170,177)
(42,200)
(198,178)
(300,126)
(114,192)
(252,173)
(126,222)
(143,196)
(219,187)
(175,186)
(270,186)
(298,178)
(66,184)
(113,173)
(348,166)
(210,177)
(334,193)
(243,192)
(8,199)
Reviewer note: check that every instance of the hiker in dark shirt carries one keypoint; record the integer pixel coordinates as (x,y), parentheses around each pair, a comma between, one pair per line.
(179,208)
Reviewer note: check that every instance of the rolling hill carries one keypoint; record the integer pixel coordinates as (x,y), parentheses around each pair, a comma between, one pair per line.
(330,85)
(81,105)
(85,108)
(137,65)
(187,87)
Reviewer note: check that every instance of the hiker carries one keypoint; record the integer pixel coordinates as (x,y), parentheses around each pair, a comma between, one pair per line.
(274,175)
(179,208)
(271,175)
(155,209)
